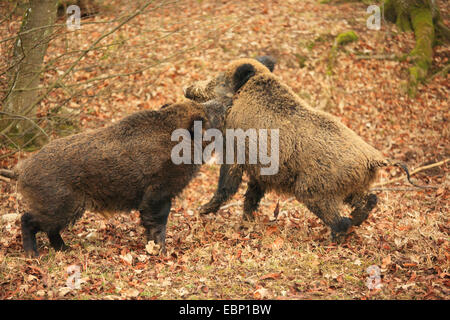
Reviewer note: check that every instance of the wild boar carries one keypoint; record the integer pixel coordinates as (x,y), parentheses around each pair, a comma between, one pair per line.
(121,167)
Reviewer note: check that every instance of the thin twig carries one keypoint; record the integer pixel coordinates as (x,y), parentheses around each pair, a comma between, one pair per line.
(69,70)
(395,189)
(17,116)
(234,204)
(436,164)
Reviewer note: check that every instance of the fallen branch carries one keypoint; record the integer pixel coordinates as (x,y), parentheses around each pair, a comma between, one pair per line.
(433,165)
(234,204)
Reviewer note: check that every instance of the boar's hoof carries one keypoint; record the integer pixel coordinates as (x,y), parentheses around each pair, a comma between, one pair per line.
(339,231)
(248,216)
(57,242)
(210,207)
(32,254)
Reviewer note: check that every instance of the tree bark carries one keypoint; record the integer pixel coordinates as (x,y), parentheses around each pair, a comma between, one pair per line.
(423,17)
(24,78)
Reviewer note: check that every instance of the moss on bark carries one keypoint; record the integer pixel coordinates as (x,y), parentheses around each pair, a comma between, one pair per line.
(342,39)
(419,16)
(346,37)
(402,22)
(422,54)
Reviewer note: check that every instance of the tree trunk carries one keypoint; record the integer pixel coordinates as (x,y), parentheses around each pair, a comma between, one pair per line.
(423,17)
(24,78)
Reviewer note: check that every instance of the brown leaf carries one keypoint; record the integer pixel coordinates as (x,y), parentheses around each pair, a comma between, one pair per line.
(386,262)
(204,289)
(261,293)
(271,276)
(409,264)
(278,243)
(271,230)
(127,258)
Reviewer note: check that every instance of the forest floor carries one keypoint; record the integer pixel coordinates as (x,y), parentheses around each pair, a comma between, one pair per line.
(291,257)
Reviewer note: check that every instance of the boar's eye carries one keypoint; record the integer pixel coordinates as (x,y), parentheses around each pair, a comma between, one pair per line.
(222,88)
(165,105)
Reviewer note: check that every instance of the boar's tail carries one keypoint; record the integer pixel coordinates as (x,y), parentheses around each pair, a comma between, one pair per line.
(11,174)
(401,165)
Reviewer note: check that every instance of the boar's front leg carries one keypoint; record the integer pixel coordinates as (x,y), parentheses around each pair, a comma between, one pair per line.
(253,196)
(229,181)
(29,229)
(328,211)
(154,211)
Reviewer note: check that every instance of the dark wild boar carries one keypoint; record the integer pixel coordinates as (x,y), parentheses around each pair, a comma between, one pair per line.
(122,167)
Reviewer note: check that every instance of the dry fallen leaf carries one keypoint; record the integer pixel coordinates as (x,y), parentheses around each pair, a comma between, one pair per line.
(152,248)
(277,244)
(271,230)
(402,225)
(127,258)
(130,293)
(271,276)
(261,293)
(63,291)
(386,262)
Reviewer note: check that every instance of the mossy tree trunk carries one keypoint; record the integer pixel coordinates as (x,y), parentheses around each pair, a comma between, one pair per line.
(422,17)
(24,77)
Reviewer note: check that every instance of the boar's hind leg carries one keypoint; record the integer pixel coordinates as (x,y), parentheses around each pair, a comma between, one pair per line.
(29,229)
(154,214)
(328,212)
(56,241)
(362,205)
(253,196)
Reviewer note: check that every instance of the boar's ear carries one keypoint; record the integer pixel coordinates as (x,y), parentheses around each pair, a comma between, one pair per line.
(268,61)
(242,74)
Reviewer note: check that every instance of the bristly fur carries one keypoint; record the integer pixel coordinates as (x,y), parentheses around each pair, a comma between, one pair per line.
(322,162)
(207,90)
(118,168)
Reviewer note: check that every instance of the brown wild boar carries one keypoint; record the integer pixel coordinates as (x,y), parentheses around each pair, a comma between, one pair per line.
(230,177)
(321,161)
(124,166)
